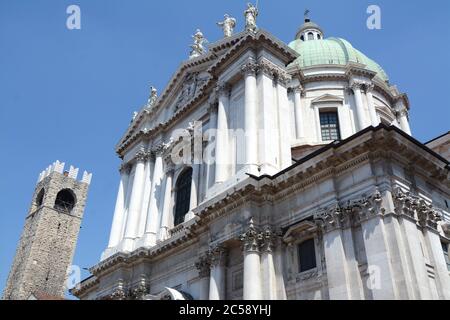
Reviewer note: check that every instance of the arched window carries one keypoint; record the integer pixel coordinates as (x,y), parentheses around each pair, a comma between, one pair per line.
(318,36)
(40,198)
(183,196)
(310,36)
(302,38)
(65,201)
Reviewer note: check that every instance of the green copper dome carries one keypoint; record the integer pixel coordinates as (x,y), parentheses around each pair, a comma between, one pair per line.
(332,51)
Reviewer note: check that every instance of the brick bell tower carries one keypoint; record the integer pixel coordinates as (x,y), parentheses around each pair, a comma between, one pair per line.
(50,234)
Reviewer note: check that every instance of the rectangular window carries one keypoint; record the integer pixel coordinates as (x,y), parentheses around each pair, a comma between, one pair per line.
(329,125)
(307,255)
(445,249)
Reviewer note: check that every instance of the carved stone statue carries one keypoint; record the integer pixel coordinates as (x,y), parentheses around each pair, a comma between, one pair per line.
(197,48)
(135,114)
(227,25)
(250,17)
(153,96)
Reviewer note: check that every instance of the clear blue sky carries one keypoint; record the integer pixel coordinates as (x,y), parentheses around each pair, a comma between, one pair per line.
(69,95)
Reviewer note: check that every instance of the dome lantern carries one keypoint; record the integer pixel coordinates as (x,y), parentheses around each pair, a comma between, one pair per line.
(309,30)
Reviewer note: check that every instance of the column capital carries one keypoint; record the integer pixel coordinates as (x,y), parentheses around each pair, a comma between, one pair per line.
(282,77)
(203,265)
(217,256)
(125,168)
(402,112)
(141,289)
(267,68)
(251,239)
(415,208)
(269,239)
(369,87)
(118,292)
(298,89)
(223,89)
(356,85)
(250,67)
(141,156)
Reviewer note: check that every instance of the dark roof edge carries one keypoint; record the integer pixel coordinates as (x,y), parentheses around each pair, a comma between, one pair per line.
(437,138)
(337,144)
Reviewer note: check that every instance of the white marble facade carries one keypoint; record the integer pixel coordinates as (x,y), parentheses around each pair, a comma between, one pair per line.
(373,205)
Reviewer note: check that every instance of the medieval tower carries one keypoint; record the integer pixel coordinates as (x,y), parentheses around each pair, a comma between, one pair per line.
(48,241)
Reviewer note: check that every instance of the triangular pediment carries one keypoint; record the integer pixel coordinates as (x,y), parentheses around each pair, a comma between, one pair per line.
(328,98)
(195,77)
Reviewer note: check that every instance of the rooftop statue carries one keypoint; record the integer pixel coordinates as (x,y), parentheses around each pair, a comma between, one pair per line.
(250,17)
(153,96)
(227,25)
(197,48)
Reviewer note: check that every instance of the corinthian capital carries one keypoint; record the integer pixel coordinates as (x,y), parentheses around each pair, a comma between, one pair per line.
(282,77)
(369,87)
(125,168)
(141,156)
(217,256)
(251,239)
(203,265)
(357,85)
(250,68)
(223,89)
(269,239)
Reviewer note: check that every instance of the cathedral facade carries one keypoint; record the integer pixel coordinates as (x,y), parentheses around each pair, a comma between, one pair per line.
(267,170)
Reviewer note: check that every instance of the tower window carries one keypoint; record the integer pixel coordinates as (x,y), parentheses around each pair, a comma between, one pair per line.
(310,36)
(65,201)
(183,196)
(329,125)
(318,36)
(302,38)
(307,255)
(40,198)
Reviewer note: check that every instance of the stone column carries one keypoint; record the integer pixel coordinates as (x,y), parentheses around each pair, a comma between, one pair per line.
(298,110)
(203,266)
(269,285)
(251,115)
(379,259)
(135,202)
(194,187)
(284,123)
(146,194)
(372,110)
(403,118)
(428,219)
(222,138)
(252,264)
(211,146)
(268,135)
(153,214)
(217,278)
(336,261)
(167,199)
(118,220)
(360,112)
